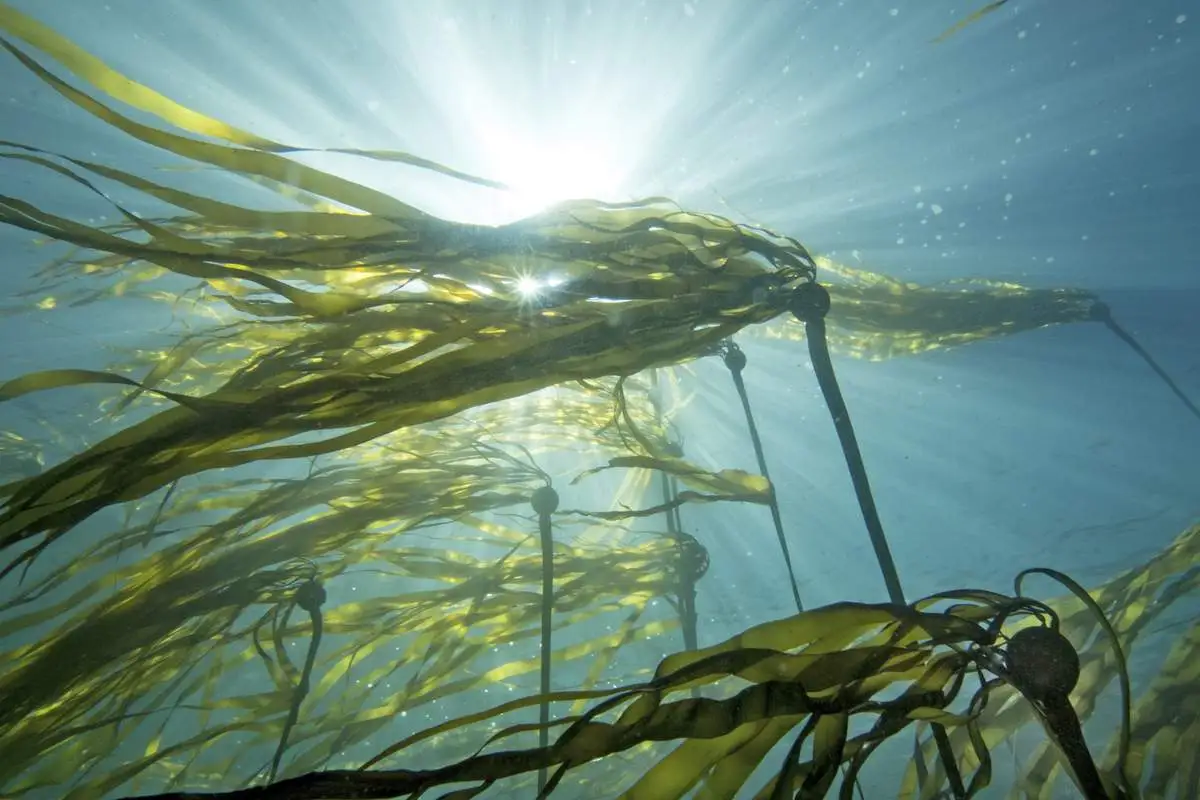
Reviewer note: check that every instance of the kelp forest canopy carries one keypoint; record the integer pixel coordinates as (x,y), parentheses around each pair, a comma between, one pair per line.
(355,393)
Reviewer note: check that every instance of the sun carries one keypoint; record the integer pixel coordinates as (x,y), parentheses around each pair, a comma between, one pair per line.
(528,287)
(542,173)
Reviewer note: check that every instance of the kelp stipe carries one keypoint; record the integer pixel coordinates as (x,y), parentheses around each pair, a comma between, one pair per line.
(735,361)
(1046,671)
(1103,314)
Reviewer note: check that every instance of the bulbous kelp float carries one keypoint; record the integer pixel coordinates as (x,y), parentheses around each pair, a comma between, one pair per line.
(355,388)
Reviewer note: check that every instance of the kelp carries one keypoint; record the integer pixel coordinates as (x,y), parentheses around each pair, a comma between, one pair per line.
(876,317)
(1133,601)
(345,517)
(181,624)
(19,456)
(355,393)
(809,675)
(974,16)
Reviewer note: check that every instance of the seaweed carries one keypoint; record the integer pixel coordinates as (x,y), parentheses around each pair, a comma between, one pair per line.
(352,391)
(974,16)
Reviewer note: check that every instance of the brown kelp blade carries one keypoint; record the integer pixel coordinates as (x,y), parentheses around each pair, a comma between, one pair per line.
(974,16)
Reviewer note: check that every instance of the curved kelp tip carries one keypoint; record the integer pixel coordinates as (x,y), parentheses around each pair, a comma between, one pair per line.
(1045,668)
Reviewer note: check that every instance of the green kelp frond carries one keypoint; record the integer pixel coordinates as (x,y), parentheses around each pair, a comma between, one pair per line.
(364,332)
(834,683)
(812,680)
(173,638)
(1166,726)
(203,570)
(876,317)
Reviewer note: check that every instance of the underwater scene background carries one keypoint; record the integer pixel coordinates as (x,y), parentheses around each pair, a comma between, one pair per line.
(595,400)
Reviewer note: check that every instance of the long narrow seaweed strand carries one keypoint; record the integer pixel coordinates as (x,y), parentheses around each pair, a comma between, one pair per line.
(735,360)
(1102,313)
(686,606)
(545,502)
(809,304)
(310,595)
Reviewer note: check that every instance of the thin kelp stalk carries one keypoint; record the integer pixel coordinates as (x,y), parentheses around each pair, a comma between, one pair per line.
(686,600)
(687,589)
(545,502)
(692,564)
(810,303)
(735,360)
(1102,313)
(674,520)
(310,596)
(946,754)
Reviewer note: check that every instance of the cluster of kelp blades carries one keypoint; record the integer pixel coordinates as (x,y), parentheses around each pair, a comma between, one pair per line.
(146,655)
(391,356)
